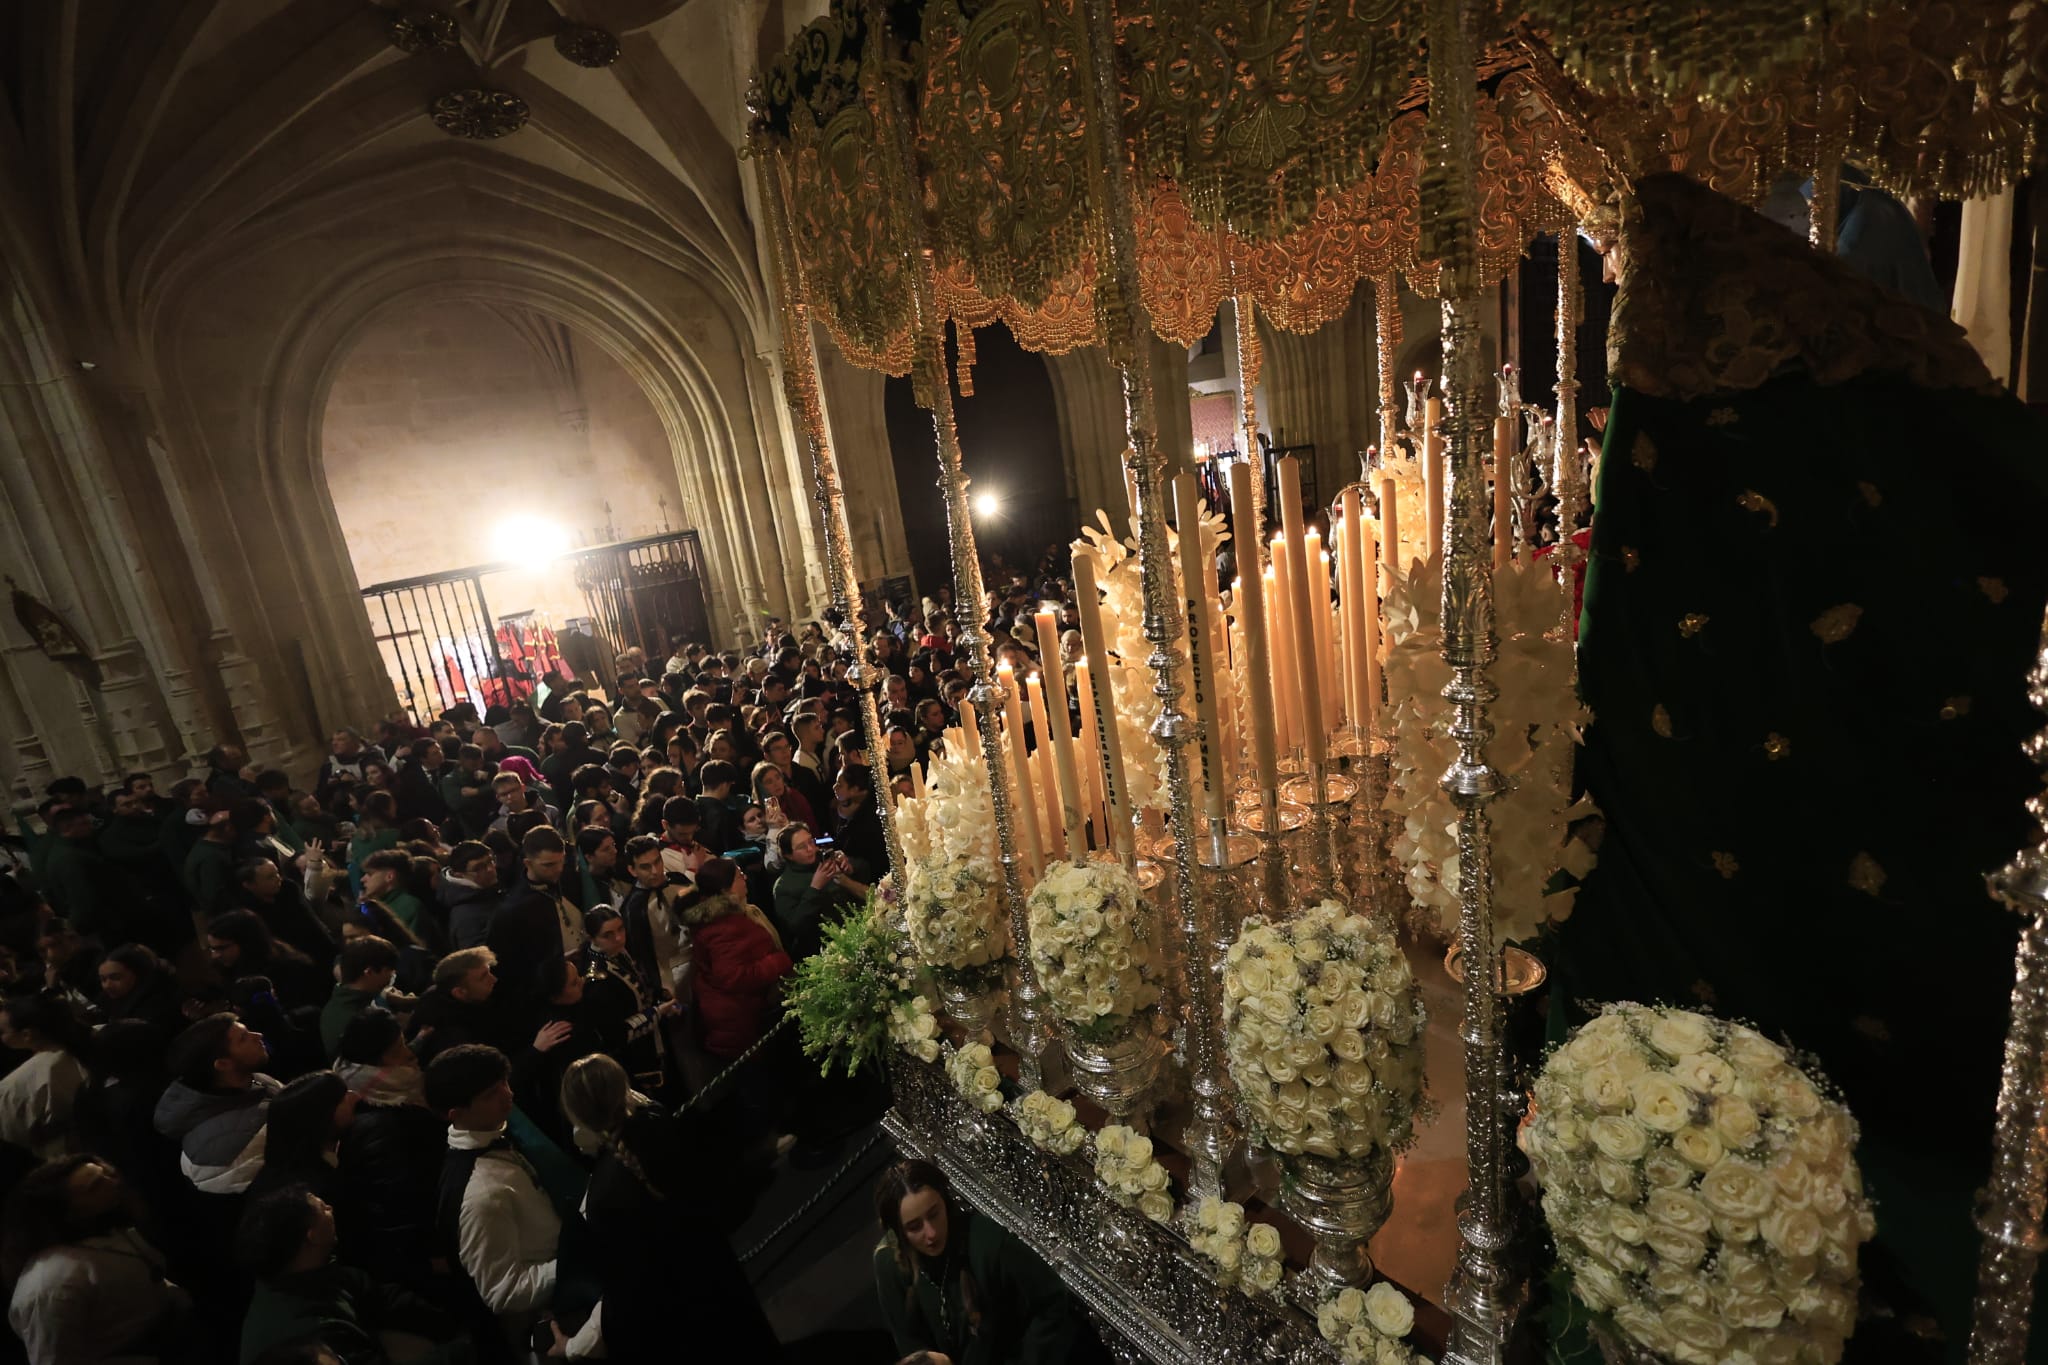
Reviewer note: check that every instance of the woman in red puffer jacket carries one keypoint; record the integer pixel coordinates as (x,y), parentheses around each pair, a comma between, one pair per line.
(739,963)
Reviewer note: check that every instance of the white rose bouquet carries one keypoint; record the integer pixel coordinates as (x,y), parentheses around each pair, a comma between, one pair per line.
(1370,1326)
(1323,1034)
(1701,1188)
(1090,946)
(972,1069)
(955,921)
(1133,1176)
(1244,1254)
(914,1028)
(1050,1124)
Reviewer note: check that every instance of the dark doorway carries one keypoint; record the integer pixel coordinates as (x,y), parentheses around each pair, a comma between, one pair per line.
(1010,446)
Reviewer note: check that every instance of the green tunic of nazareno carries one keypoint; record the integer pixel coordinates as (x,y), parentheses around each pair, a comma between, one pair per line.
(1023,1313)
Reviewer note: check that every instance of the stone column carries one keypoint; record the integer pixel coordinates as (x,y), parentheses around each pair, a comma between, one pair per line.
(1089,401)
(855,413)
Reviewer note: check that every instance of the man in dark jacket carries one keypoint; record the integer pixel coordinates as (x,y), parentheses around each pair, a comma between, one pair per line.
(857,824)
(462,1007)
(419,783)
(534,922)
(80,884)
(469,892)
(560,768)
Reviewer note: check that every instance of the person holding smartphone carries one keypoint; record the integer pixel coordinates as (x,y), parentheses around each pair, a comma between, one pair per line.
(815,884)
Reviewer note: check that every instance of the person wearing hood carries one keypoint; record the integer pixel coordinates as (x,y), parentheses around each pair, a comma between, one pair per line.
(215,1106)
(468,890)
(390,1155)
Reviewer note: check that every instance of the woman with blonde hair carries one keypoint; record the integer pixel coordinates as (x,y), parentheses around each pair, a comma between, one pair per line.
(663,1199)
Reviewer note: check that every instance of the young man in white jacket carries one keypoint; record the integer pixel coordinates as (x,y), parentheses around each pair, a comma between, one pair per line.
(492,1209)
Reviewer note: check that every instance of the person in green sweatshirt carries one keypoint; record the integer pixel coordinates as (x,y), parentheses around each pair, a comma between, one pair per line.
(364,971)
(956,1282)
(286,1241)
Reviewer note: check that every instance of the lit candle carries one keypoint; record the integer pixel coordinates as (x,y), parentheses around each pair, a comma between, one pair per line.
(1390,551)
(1066,772)
(1248,595)
(1317,562)
(1116,786)
(1433,479)
(1048,623)
(972,730)
(1302,619)
(1369,603)
(1090,769)
(1280,646)
(1503,508)
(1358,638)
(1020,765)
(1194,577)
(1044,773)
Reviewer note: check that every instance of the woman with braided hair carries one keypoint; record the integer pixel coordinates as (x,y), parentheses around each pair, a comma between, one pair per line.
(661,1204)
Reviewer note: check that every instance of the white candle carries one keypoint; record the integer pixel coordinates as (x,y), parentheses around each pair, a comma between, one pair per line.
(1195,575)
(1043,773)
(1314,736)
(1248,596)
(1095,640)
(1091,768)
(1432,480)
(1020,767)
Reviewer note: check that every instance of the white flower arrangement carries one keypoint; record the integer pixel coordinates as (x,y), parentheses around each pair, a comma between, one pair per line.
(955,920)
(972,1069)
(1247,1255)
(1370,1326)
(1089,945)
(914,1028)
(1702,1189)
(1050,1124)
(1323,1034)
(1133,1176)
(1536,721)
(1123,615)
(953,816)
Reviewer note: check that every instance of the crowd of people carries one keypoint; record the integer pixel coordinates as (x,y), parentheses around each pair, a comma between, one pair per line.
(469,1039)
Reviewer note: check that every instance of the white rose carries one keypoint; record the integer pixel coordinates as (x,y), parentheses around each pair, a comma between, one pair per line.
(1795,1232)
(1604,1090)
(1735,1121)
(1264,1276)
(1704,1073)
(1158,1207)
(1790,1093)
(1389,1311)
(1626,1225)
(1695,1329)
(1700,1147)
(1666,1170)
(1600,1287)
(1736,1189)
(1110,1141)
(1676,1247)
(1262,1239)
(1675,1033)
(1660,1102)
(1617,1179)
(1618,1137)
(1678,1209)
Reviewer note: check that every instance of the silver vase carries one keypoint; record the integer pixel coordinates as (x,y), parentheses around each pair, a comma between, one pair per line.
(1342,1202)
(1116,1074)
(973,1010)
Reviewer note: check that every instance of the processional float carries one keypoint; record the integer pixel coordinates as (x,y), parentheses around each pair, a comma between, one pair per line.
(1186,915)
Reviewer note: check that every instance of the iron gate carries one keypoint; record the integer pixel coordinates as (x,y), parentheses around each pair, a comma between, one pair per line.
(442,646)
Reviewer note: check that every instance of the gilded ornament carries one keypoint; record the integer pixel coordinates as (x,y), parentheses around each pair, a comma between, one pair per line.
(1993,588)
(1660,720)
(1836,624)
(1870,493)
(1725,864)
(479,113)
(587,45)
(1954,707)
(1865,875)
(1776,746)
(423,30)
(1752,501)
(1642,453)
(1691,623)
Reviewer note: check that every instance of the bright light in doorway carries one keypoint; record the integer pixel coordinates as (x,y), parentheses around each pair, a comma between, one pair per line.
(987,505)
(529,538)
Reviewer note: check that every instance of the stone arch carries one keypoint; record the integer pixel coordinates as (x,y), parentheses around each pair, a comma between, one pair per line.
(690,409)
